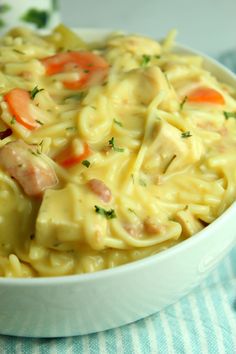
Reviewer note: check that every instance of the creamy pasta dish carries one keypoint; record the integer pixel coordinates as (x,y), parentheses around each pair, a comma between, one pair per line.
(109,152)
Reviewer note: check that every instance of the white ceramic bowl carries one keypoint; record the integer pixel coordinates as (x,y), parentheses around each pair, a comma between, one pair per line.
(80,304)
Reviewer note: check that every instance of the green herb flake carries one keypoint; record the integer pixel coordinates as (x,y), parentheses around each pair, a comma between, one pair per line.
(33,152)
(13,120)
(108,214)
(142,182)
(77,96)
(112,145)
(86,163)
(118,123)
(86,71)
(168,82)
(169,163)
(186,134)
(229,114)
(71,128)
(18,51)
(181,106)
(145,60)
(39,121)
(131,211)
(157,56)
(34,92)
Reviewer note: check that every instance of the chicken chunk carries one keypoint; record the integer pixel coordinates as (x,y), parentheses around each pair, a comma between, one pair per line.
(27,167)
(190,225)
(136,45)
(141,86)
(169,151)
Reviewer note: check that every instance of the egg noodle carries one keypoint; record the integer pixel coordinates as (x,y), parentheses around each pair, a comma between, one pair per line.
(138,141)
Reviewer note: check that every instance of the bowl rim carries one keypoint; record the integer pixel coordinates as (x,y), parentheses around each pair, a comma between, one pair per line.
(158,257)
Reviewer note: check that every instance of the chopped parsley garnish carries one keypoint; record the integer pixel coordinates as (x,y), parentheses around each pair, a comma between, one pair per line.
(86,71)
(118,123)
(131,211)
(39,121)
(77,96)
(108,214)
(34,92)
(157,56)
(112,145)
(186,134)
(181,106)
(33,152)
(18,51)
(86,163)
(145,60)
(169,163)
(229,114)
(142,182)
(13,120)
(168,82)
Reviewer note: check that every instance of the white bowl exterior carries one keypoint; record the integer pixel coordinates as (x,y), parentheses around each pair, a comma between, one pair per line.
(72,305)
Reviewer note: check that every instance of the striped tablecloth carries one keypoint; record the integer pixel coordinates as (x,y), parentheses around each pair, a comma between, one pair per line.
(202,322)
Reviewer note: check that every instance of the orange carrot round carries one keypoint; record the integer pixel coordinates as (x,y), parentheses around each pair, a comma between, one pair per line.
(206,95)
(68,157)
(92,68)
(18,101)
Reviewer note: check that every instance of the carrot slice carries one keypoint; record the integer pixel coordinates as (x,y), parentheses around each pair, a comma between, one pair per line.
(91,67)
(68,157)
(18,101)
(206,95)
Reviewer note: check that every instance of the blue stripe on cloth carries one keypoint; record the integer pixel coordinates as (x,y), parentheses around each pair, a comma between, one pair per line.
(142,332)
(191,329)
(173,323)
(203,322)
(112,343)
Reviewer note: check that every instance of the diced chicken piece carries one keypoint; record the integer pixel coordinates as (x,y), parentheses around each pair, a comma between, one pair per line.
(29,169)
(169,151)
(99,188)
(135,230)
(67,219)
(142,85)
(136,45)
(190,225)
(150,82)
(57,221)
(153,227)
